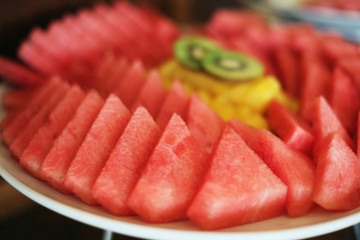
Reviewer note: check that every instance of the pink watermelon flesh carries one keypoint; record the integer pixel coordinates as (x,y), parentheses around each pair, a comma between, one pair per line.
(344,99)
(296,170)
(92,46)
(38,59)
(287,65)
(204,124)
(128,35)
(43,139)
(46,44)
(18,74)
(129,87)
(289,127)
(325,121)
(16,99)
(351,65)
(314,83)
(142,26)
(23,138)
(40,96)
(125,163)
(171,176)
(152,94)
(96,148)
(117,73)
(336,49)
(238,187)
(176,101)
(62,152)
(103,70)
(245,131)
(337,179)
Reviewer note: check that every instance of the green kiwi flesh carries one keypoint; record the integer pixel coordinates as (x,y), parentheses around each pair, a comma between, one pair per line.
(190,50)
(232,66)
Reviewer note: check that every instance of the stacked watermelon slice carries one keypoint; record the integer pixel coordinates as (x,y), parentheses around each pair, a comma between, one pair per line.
(93,119)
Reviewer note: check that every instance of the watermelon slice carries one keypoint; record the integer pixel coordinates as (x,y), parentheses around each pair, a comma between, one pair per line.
(124,166)
(325,121)
(19,144)
(96,148)
(18,74)
(289,127)
(117,72)
(246,132)
(344,99)
(351,66)
(176,101)
(129,87)
(171,176)
(38,59)
(17,98)
(63,150)
(43,139)
(314,83)
(337,179)
(204,124)
(238,187)
(152,94)
(32,107)
(296,170)
(287,68)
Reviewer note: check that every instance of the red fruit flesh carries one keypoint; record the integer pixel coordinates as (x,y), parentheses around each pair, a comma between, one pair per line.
(296,170)
(176,101)
(18,74)
(325,122)
(125,163)
(25,135)
(95,148)
(151,95)
(40,144)
(289,127)
(337,179)
(237,177)
(204,124)
(61,154)
(171,176)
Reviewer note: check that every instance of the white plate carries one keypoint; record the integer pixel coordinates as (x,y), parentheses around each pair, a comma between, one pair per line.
(316,223)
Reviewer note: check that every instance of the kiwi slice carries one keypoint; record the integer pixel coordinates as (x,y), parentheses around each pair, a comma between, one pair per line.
(232,66)
(190,50)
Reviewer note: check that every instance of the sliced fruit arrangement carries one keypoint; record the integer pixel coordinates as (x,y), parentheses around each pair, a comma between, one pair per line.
(110,118)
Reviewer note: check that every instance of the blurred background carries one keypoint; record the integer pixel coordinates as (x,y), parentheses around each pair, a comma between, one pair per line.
(20,217)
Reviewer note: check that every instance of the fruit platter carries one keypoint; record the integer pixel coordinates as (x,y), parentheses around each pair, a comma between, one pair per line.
(239,129)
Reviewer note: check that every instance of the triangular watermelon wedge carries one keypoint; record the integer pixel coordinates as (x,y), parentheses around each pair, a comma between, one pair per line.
(152,94)
(171,176)
(96,147)
(125,163)
(315,81)
(176,101)
(325,122)
(40,144)
(238,187)
(295,169)
(204,124)
(42,93)
(337,179)
(61,154)
(18,74)
(290,128)
(344,99)
(19,144)
(129,87)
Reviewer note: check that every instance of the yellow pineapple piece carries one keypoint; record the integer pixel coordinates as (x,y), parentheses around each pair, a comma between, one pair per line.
(261,92)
